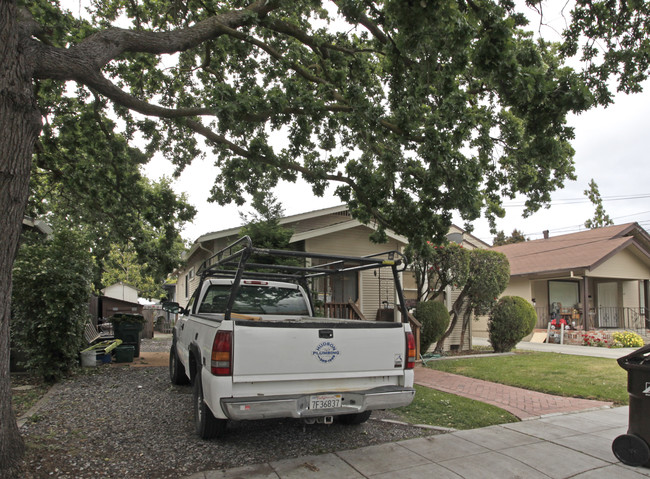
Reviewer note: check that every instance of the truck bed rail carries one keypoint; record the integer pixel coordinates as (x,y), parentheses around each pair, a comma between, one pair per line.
(241,260)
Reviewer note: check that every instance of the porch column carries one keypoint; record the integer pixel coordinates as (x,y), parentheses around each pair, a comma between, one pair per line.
(646,300)
(585,302)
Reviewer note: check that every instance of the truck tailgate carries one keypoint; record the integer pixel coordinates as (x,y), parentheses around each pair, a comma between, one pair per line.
(316,349)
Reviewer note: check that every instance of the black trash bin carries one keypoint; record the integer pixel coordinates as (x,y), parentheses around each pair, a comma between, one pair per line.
(632,448)
(128,328)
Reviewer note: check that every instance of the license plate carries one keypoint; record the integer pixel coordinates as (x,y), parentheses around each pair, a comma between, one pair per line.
(325,401)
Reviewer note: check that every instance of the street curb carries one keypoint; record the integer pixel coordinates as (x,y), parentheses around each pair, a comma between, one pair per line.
(420,426)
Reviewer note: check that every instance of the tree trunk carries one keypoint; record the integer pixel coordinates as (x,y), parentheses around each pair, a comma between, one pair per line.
(20,125)
(456,311)
(467,315)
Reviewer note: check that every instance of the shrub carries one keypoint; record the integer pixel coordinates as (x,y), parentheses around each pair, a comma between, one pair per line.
(51,288)
(512,319)
(627,339)
(435,320)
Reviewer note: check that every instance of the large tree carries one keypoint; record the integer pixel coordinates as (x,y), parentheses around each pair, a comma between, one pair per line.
(86,177)
(415,109)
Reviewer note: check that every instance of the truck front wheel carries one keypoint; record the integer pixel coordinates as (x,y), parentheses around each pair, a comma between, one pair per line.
(176,369)
(206,425)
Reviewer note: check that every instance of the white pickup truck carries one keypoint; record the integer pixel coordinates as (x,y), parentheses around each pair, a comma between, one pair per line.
(252,348)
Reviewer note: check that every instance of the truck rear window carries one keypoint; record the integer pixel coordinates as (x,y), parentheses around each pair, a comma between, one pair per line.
(255,300)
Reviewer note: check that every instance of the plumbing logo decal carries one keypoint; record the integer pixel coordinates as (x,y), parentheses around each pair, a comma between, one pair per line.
(646,391)
(326,352)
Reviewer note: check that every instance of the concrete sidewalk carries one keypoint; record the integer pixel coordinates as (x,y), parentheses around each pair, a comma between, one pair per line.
(574,445)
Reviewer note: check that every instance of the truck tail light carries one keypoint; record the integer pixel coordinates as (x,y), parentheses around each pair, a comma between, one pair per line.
(221,363)
(410,351)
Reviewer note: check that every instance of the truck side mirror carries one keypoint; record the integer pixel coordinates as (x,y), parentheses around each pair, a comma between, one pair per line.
(173,307)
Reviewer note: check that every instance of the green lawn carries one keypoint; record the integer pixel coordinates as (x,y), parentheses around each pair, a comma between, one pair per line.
(436,408)
(559,374)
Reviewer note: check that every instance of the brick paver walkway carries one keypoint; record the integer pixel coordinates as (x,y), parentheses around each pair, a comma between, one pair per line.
(522,403)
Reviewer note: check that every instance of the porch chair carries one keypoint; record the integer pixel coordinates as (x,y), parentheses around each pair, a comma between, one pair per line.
(96,341)
(92,334)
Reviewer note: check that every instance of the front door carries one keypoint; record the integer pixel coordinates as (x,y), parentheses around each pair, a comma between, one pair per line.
(608,305)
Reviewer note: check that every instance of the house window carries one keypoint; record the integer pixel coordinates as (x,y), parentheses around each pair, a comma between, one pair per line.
(566,293)
(187,285)
(345,287)
(337,288)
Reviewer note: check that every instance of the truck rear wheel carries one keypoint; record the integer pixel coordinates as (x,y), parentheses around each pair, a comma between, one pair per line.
(176,369)
(353,419)
(205,424)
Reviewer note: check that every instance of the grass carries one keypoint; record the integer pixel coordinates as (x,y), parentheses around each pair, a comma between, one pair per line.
(22,398)
(558,374)
(436,408)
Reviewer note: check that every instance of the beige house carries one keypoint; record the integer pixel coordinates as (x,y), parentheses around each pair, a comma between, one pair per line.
(331,231)
(606,269)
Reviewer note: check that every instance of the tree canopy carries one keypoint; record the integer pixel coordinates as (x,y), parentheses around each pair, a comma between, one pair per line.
(86,177)
(436,267)
(415,109)
(515,237)
(411,109)
(487,273)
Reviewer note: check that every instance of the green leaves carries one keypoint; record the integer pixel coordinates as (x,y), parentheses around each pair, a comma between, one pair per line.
(601,218)
(52,282)
(87,178)
(413,110)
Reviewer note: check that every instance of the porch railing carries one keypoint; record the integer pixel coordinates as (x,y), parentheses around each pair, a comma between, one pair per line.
(342,310)
(634,319)
(351,311)
(625,318)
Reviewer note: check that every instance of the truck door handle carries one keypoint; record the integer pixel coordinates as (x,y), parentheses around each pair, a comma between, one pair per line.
(325,333)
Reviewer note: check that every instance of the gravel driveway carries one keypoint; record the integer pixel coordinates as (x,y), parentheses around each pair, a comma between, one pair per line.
(115,422)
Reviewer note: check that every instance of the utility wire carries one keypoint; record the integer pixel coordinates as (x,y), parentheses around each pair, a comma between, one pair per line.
(570,201)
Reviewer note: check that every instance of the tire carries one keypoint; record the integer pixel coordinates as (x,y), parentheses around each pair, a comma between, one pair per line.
(176,369)
(631,450)
(205,424)
(354,419)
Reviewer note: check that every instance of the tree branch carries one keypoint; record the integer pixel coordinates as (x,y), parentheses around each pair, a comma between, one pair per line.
(97,50)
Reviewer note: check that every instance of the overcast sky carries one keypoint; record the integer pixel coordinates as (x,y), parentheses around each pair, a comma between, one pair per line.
(611,146)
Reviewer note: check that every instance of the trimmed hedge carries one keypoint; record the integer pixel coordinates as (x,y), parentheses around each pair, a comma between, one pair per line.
(512,319)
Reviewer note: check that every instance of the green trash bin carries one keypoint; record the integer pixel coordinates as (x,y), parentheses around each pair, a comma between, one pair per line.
(124,353)
(128,328)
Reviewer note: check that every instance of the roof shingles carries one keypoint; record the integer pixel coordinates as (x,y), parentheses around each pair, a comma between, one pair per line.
(583,250)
